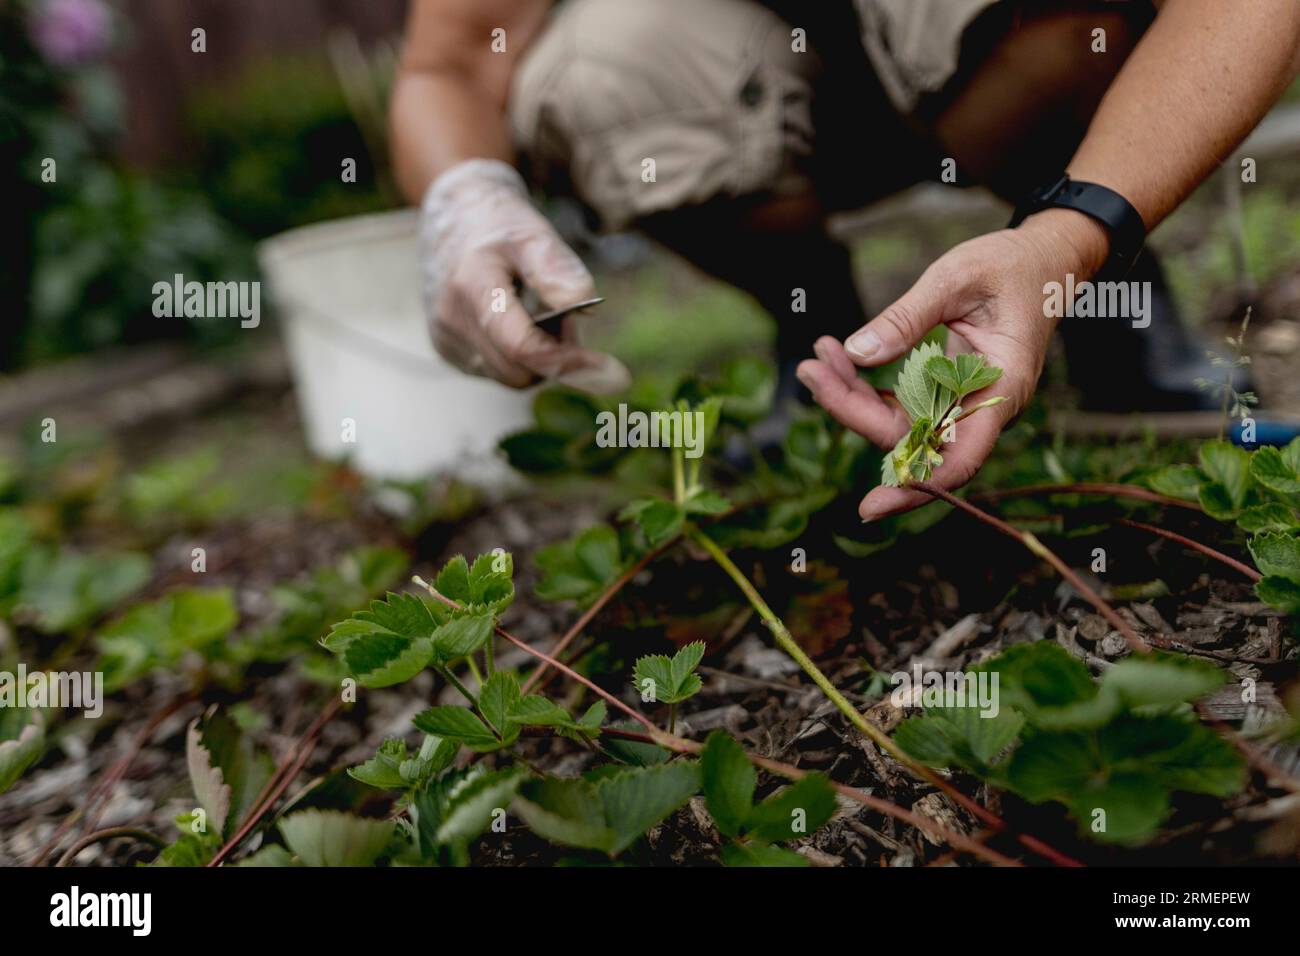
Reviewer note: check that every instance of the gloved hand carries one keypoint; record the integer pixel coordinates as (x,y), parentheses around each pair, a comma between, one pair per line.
(478,231)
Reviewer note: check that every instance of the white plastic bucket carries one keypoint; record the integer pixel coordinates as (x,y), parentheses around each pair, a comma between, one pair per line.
(369,384)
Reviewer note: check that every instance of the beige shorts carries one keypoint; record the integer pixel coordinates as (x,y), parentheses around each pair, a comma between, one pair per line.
(642,106)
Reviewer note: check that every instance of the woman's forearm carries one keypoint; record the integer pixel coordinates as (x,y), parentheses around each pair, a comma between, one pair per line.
(449,98)
(439,120)
(1198,82)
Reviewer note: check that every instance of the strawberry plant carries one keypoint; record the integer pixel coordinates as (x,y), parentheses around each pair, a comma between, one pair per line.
(1120,747)
(670,680)
(1112,751)
(1116,752)
(443,805)
(1259,491)
(58,590)
(729,781)
(930,389)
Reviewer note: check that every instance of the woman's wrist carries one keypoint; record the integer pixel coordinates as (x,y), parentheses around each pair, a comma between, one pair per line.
(1073,243)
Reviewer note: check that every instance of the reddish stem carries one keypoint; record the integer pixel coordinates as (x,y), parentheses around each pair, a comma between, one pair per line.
(984,814)
(1186,542)
(280,780)
(1087,488)
(562,668)
(952,837)
(104,786)
(1135,642)
(589,615)
(1253,756)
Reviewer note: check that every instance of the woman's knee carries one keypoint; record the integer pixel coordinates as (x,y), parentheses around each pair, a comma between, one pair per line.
(642,106)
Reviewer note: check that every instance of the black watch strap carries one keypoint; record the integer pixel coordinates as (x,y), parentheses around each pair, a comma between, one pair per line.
(1124,223)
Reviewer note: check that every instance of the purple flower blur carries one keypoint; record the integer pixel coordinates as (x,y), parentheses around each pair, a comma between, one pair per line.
(70,32)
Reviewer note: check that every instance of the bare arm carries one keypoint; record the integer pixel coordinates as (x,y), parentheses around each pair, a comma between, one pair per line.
(479,233)
(1201,78)
(1197,83)
(449,99)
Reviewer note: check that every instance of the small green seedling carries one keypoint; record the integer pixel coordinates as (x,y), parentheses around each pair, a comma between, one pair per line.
(670,680)
(930,388)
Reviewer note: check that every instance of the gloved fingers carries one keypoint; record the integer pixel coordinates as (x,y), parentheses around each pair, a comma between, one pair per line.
(526,349)
(558,276)
(550,268)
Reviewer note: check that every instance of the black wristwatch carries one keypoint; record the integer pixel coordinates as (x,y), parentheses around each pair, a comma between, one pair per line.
(1124,223)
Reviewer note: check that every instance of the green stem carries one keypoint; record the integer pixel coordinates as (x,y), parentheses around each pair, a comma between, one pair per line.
(450,678)
(679,477)
(875,734)
(791,647)
(489,654)
(672,718)
(473,669)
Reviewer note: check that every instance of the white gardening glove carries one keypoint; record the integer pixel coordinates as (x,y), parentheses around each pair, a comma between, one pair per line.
(478,231)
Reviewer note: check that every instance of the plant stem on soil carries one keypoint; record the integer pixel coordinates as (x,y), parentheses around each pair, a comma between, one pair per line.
(1187,542)
(1253,756)
(1088,488)
(589,615)
(878,736)
(112,833)
(280,780)
(953,838)
(1041,550)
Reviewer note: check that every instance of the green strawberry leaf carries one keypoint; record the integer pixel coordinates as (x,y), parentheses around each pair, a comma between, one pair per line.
(332,838)
(1228,468)
(636,799)
(659,520)
(154,636)
(728,780)
(1278,470)
(382,660)
(227,772)
(919,394)
(463,636)
(1051,687)
(1162,679)
(383,770)
(1279,592)
(794,811)
(1272,516)
(568,812)
(272,855)
(452,581)
(491,582)
(1125,808)
(472,804)
(580,569)
(498,698)
(1276,555)
(670,680)
(458,724)
(962,374)
(707,502)
(611,813)
(757,854)
(1177,481)
(22,741)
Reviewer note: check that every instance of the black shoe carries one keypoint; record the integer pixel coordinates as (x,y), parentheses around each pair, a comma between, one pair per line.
(1119,368)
